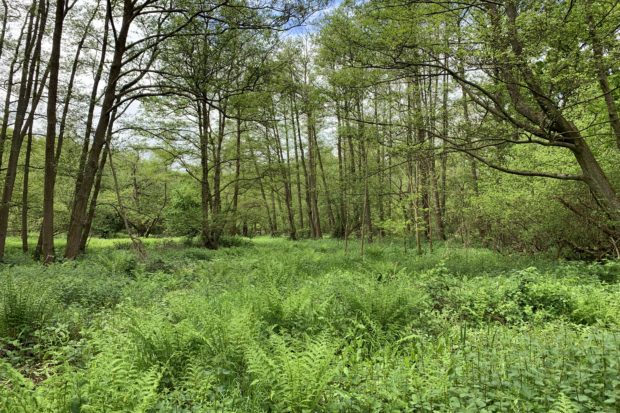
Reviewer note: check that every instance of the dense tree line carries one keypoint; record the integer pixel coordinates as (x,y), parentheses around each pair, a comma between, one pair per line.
(478,121)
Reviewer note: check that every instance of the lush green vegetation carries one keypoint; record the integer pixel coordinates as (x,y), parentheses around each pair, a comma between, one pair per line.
(446,175)
(274,325)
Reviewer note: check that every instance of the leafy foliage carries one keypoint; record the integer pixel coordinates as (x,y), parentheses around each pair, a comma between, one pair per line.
(304,326)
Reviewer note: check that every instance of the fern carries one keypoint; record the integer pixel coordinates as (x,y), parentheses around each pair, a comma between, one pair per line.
(290,379)
(16,391)
(563,405)
(23,309)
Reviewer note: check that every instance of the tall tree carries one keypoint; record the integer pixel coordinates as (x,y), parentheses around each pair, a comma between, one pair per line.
(50,137)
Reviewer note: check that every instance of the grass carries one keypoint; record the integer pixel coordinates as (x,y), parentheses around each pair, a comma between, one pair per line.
(280,326)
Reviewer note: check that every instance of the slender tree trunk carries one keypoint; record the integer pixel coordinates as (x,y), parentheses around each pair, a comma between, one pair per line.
(272,186)
(9,89)
(340,230)
(50,138)
(297,173)
(68,97)
(205,193)
(309,208)
(5,18)
(412,171)
(353,179)
(25,192)
(284,169)
(289,180)
(363,168)
(466,118)
(91,110)
(601,74)
(444,153)
(262,193)
(216,225)
(435,189)
(29,68)
(79,210)
(328,198)
(380,156)
(312,183)
(235,200)
(135,241)
(92,207)
(366,210)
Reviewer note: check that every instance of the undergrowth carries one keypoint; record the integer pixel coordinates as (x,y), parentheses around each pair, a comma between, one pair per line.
(280,326)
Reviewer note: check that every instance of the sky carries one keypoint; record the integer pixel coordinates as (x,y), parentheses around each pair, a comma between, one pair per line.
(311,25)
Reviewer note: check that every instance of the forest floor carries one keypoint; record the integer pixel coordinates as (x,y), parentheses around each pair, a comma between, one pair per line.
(274,325)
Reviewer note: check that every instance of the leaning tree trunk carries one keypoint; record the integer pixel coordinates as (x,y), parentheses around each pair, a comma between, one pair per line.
(80,205)
(97,186)
(597,182)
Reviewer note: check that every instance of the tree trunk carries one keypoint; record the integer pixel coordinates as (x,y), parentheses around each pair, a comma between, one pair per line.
(29,67)
(25,192)
(597,181)
(284,168)
(312,183)
(91,111)
(68,97)
(5,18)
(235,201)
(298,175)
(9,90)
(78,213)
(50,138)
(309,209)
(340,229)
(328,199)
(205,193)
(97,186)
(135,241)
(601,75)
(262,193)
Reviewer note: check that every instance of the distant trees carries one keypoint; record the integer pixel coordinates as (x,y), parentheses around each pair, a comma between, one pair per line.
(393,118)
(523,80)
(134,32)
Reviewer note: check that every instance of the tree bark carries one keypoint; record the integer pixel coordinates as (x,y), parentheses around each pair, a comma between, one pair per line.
(5,19)
(78,213)
(601,75)
(50,138)
(284,168)
(9,91)
(297,172)
(235,201)
(91,109)
(205,192)
(25,187)
(309,209)
(30,66)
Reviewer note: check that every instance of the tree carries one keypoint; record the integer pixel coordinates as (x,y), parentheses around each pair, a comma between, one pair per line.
(47,228)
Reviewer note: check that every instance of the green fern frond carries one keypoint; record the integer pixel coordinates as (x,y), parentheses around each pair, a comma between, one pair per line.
(563,405)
